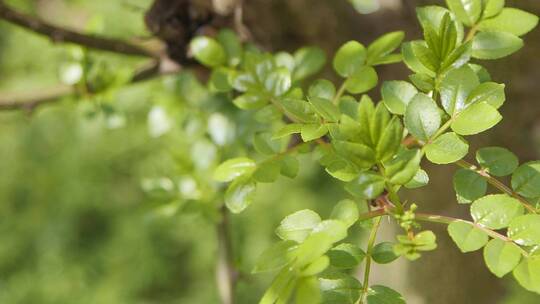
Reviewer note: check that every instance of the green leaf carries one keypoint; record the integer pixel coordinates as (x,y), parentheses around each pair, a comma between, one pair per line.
(287,130)
(250,101)
(510,20)
(325,108)
(263,143)
(240,194)
(232,46)
(383,46)
(311,132)
(458,57)
(365,6)
(378,294)
(346,256)
(434,16)
(467,11)
(501,257)
(297,108)
(466,236)
(278,81)
(528,273)
(403,167)
(456,87)
(469,186)
(359,154)
(232,168)
(490,92)
(345,211)
(289,166)
(364,79)
(383,253)
(526,179)
(367,185)
(322,88)
(275,257)
(482,73)
(495,45)
(267,171)
(389,141)
(496,211)
(446,149)
(208,51)
(280,288)
(339,288)
(298,226)
(497,161)
(397,95)
(308,291)
(349,58)
(411,52)
(423,82)
(492,8)
(525,230)
(316,267)
(422,117)
(308,61)
(335,229)
(420,179)
(476,119)
(219,80)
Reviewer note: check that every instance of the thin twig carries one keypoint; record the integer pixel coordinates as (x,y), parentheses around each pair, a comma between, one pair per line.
(60,34)
(369,251)
(226,273)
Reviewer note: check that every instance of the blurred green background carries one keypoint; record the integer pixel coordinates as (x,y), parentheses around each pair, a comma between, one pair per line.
(107,199)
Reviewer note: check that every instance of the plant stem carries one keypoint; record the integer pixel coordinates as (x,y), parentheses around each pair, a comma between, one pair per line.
(371,243)
(471,33)
(339,93)
(497,184)
(226,274)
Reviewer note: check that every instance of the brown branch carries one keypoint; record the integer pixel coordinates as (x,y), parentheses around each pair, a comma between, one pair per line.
(226,273)
(59,34)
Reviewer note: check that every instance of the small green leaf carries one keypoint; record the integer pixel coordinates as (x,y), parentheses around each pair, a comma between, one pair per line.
(528,273)
(469,186)
(526,179)
(267,171)
(510,20)
(250,101)
(456,87)
(383,253)
(339,288)
(316,267)
(308,291)
(322,88)
(349,58)
(423,82)
(397,95)
(287,130)
(311,132)
(476,119)
(325,108)
(263,143)
(495,211)
(280,288)
(364,79)
(422,117)
(411,58)
(346,256)
(482,73)
(308,61)
(420,179)
(501,257)
(497,161)
(232,46)
(232,168)
(467,11)
(278,81)
(389,141)
(378,294)
(240,194)
(466,236)
(495,45)
(367,185)
(490,92)
(383,46)
(403,167)
(345,211)
(297,108)
(492,8)
(274,257)
(446,149)
(359,154)
(525,230)
(208,51)
(298,226)
(289,166)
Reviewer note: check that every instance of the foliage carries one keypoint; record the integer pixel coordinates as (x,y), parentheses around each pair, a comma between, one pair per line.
(376,149)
